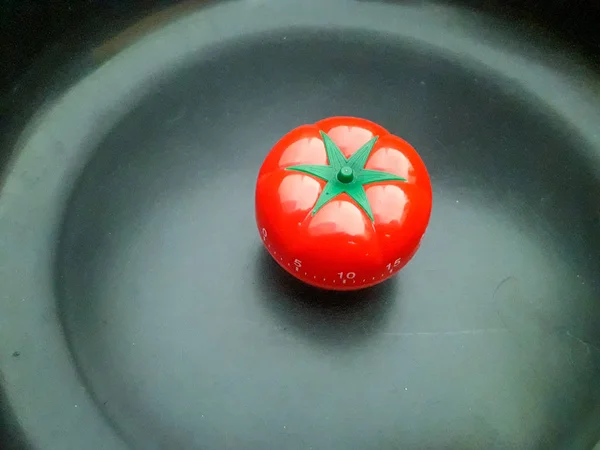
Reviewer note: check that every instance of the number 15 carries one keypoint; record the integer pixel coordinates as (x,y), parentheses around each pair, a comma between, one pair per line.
(392,266)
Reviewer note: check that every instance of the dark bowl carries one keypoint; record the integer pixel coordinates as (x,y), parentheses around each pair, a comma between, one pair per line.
(138,309)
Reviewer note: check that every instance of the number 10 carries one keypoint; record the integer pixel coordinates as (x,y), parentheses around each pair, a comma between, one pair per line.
(348,276)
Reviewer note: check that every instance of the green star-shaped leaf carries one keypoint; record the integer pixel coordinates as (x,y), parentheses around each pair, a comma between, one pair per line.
(345,175)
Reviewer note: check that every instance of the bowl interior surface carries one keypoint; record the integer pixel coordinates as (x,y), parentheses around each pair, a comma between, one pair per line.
(189,336)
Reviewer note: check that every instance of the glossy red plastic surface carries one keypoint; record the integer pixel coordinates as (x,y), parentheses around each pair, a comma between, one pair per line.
(339,247)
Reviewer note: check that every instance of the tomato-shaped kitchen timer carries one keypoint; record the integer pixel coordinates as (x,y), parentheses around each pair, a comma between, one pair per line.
(342,204)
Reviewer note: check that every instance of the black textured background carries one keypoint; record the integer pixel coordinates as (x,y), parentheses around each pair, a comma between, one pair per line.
(29,28)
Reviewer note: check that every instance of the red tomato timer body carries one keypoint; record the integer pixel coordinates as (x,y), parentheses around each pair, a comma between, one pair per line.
(342,204)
